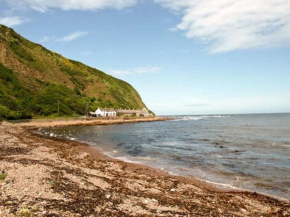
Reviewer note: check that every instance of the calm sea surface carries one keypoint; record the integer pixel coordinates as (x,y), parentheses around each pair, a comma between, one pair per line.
(242,151)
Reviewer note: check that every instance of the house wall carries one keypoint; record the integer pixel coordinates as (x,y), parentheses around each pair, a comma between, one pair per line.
(99,112)
(109,114)
(138,113)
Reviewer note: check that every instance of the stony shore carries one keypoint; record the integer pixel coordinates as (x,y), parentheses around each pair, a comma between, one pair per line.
(87,121)
(42,176)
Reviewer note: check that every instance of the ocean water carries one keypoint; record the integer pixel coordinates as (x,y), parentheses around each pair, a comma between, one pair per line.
(233,151)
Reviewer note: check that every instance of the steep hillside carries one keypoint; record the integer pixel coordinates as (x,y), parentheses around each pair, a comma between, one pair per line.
(34,80)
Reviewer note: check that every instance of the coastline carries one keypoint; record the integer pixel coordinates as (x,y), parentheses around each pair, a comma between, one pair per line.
(64,177)
(89,121)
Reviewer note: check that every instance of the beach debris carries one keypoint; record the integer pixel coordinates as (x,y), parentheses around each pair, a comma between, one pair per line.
(243,210)
(68,194)
(72,139)
(82,155)
(51,134)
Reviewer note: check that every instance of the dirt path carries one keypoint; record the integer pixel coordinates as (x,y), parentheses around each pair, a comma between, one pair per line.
(52,177)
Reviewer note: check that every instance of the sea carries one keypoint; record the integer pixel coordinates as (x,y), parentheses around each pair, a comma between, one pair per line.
(250,152)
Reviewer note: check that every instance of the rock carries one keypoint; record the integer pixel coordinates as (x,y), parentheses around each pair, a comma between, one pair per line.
(243,210)
(121,144)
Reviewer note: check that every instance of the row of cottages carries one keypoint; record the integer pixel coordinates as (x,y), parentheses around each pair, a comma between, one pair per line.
(110,112)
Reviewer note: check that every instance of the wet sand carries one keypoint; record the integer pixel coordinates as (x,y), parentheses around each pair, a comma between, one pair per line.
(41,176)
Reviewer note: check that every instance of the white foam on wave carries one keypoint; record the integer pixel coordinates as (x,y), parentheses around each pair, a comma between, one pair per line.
(197,118)
(126,159)
(111,154)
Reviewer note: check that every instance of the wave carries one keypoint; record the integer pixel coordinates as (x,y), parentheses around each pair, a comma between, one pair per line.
(197,118)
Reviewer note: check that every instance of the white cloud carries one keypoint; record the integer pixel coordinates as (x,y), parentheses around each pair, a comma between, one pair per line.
(72,36)
(141,70)
(223,25)
(12,21)
(226,25)
(67,38)
(173,29)
(44,5)
(46,39)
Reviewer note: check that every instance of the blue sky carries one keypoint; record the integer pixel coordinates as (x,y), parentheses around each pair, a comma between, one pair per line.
(183,57)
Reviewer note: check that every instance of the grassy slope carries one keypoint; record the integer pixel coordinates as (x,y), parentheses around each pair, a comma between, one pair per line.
(33,80)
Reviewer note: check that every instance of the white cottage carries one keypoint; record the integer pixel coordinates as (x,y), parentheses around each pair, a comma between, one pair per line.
(105,112)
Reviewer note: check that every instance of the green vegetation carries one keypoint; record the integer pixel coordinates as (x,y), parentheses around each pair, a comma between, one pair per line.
(17,102)
(14,98)
(36,82)
(26,212)
(52,183)
(3,176)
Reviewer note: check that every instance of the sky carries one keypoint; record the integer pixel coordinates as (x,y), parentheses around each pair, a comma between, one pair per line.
(184,57)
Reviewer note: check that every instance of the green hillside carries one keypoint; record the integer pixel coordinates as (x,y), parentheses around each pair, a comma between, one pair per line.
(34,80)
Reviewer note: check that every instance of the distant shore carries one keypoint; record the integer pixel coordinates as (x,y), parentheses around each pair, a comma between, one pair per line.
(51,176)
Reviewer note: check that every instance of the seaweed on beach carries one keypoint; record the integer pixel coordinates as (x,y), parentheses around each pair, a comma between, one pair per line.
(74,180)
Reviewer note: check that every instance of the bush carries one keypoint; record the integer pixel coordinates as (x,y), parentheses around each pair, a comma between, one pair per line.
(126,117)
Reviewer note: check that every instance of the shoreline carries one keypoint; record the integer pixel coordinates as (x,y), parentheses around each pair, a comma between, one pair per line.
(39,123)
(209,185)
(160,191)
